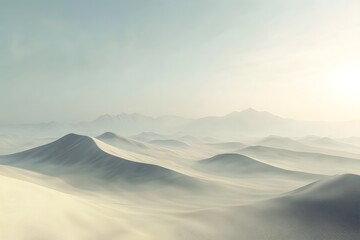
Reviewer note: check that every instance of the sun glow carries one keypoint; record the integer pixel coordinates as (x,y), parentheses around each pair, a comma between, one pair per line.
(348,82)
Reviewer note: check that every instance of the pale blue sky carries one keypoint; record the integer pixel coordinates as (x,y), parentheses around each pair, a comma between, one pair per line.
(74,60)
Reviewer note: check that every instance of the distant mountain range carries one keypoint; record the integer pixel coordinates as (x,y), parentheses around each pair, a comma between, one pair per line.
(258,124)
(247,123)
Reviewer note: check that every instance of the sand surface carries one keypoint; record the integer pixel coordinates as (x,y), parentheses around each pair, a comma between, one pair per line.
(179,187)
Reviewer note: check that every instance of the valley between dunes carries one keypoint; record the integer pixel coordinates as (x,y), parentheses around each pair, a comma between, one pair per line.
(154,186)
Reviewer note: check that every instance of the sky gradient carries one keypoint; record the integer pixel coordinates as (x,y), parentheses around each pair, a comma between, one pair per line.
(75,60)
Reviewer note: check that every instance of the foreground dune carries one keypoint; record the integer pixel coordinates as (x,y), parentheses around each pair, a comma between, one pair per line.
(326,209)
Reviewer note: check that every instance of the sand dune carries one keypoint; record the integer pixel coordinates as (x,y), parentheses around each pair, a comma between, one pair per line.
(303,161)
(281,142)
(121,142)
(149,136)
(228,146)
(76,155)
(236,165)
(328,143)
(351,140)
(165,151)
(169,143)
(301,146)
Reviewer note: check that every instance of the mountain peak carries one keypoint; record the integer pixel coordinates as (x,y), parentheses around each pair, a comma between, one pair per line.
(250,110)
(105,117)
(253,114)
(234,113)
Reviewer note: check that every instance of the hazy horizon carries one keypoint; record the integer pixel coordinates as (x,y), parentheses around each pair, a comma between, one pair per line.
(73,61)
(176,116)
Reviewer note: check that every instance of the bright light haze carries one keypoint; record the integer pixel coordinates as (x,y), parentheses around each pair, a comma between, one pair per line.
(74,60)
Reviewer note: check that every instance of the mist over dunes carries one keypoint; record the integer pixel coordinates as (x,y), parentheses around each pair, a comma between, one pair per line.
(179,182)
(180,120)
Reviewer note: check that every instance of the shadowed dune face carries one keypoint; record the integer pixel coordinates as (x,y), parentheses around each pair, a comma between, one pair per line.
(332,204)
(338,197)
(326,209)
